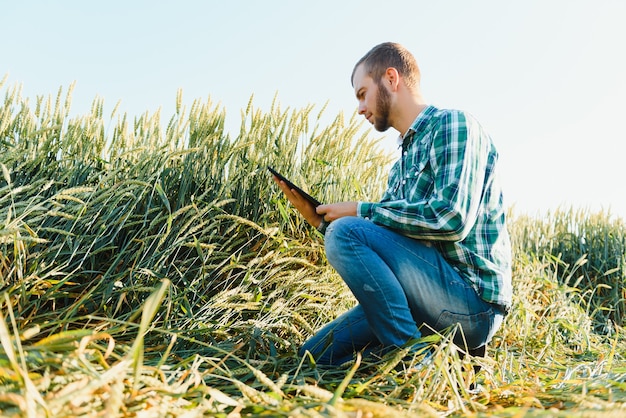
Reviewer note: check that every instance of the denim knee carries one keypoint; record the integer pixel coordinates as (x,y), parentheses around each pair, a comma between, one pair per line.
(341,231)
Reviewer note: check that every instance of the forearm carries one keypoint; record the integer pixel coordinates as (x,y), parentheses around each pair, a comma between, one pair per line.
(439,221)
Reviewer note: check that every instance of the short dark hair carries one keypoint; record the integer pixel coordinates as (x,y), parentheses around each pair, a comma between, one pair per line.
(390,54)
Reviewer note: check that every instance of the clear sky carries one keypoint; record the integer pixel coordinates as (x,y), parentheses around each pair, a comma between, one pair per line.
(547,78)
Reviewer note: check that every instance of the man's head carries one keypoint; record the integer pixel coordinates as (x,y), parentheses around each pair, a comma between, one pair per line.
(386,71)
(386,55)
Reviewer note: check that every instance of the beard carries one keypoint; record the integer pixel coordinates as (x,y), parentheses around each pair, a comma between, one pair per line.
(383,104)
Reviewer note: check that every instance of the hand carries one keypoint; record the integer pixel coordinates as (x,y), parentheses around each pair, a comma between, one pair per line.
(302,205)
(335,211)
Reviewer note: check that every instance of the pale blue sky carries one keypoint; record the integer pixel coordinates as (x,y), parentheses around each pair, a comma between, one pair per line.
(546,78)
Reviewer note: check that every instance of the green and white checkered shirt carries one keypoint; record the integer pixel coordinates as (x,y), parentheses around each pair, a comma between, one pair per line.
(445,190)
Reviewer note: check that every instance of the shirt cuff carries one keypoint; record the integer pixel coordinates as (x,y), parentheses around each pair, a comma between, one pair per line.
(364,209)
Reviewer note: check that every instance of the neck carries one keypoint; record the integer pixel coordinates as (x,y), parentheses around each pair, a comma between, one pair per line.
(407,111)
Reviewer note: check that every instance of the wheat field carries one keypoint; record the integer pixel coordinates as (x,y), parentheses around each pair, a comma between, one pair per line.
(151,268)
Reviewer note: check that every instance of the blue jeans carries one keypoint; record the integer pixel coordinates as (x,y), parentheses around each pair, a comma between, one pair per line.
(400,284)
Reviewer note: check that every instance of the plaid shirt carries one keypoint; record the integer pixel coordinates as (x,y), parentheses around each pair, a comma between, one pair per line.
(445,189)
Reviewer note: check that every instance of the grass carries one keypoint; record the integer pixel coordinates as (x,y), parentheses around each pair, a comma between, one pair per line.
(150,271)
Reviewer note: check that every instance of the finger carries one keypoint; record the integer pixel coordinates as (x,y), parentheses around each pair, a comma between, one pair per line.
(322,211)
(286,189)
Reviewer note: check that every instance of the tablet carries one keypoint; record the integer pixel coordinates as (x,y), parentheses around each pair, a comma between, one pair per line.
(301,192)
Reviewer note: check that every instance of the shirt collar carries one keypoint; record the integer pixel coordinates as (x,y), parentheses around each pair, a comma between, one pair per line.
(419,123)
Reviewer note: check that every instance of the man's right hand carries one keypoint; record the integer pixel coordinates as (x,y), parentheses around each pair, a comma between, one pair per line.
(335,211)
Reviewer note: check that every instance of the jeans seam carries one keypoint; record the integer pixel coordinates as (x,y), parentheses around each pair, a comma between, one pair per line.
(379,290)
(404,247)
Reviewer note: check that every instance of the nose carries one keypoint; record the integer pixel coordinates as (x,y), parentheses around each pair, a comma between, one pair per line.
(361,108)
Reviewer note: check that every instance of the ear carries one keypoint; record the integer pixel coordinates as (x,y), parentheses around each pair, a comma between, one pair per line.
(392,78)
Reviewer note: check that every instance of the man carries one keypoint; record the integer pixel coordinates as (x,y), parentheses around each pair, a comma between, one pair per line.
(435,250)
